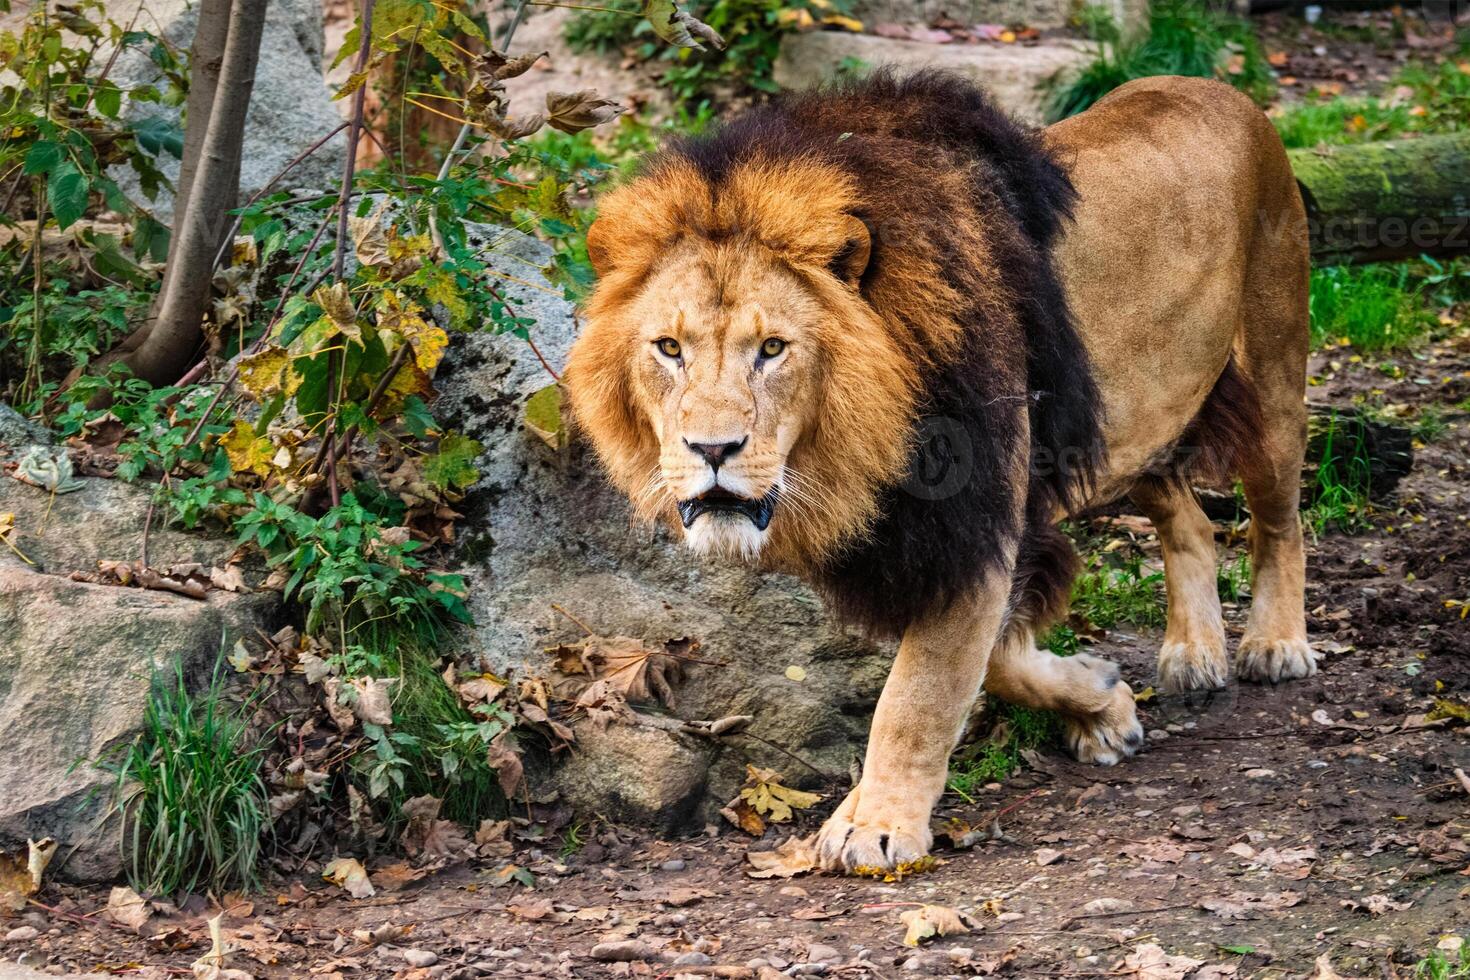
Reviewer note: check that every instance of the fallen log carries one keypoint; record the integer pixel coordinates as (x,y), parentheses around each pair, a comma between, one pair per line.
(1388,200)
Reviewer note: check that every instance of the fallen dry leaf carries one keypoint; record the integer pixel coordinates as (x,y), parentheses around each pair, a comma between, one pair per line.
(211,966)
(426,834)
(127,908)
(373,705)
(796,855)
(351,876)
(1243,905)
(1149,962)
(768,797)
(21,874)
(928,921)
(397,876)
(1375,905)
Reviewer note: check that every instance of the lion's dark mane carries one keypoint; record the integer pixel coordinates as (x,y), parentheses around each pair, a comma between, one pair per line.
(895,136)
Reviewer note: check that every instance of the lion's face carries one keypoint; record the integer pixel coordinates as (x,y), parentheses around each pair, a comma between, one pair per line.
(725,369)
(731,376)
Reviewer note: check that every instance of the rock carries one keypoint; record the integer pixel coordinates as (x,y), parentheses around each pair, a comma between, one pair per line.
(822,953)
(1014,74)
(1260,774)
(419,957)
(692,958)
(290,106)
(76,662)
(17,431)
(677,864)
(22,934)
(1107,906)
(1032,13)
(640,776)
(543,527)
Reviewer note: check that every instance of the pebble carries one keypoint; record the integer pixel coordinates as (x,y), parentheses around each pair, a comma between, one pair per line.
(692,958)
(1173,728)
(419,957)
(1107,905)
(624,951)
(1316,764)
(1260,774)
(21,934)
(807,970)
(1157,735)
(677,864)
(1009,917)
(822,953)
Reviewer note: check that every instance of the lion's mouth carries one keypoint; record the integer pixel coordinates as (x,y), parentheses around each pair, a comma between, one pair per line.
(718,500)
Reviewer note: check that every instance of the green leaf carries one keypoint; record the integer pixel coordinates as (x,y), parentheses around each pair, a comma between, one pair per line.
(544,416)
(454,464)
(43,157)
(108,100)
(156,134)
(417,418)
(66,192)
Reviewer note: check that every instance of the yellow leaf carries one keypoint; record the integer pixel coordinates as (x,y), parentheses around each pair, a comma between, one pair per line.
(767,796)
(544,416)
(20,874)
(928,921)
(350,875)
(248,452)
(799,19)
(336,303)
(1008,37)
(846,23)
(402,322)
(797,855)
(262,373)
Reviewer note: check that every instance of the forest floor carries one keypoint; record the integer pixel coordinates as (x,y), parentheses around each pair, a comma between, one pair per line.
(1262,832)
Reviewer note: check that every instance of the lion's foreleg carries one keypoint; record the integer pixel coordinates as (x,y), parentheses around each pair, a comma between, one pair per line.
(935,679)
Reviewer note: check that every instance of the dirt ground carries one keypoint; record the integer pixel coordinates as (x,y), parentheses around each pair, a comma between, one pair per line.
(1260,831)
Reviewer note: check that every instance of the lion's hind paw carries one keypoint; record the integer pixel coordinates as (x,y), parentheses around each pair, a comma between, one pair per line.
(1110,735)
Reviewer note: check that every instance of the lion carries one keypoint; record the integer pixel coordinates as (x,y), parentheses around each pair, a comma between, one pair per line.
(882,337)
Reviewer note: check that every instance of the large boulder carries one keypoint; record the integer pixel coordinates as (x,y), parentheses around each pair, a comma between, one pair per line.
(290,105)
(76,658)
(542,527)
(1016,75)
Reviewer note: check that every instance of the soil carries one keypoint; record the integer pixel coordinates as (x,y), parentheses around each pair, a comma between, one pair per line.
(1259,830)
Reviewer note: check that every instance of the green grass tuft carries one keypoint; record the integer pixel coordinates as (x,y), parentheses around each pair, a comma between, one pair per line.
(1370,307)
(1337,494)
(1183,37)
(1420,99)
(994,759)
(191,792)
(1444,966)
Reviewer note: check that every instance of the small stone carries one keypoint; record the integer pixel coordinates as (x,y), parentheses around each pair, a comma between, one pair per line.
(1173,728)
(1316,764)
(22,934)
(624,951)
(1103,906)
(677,864)
(1187,810)
(1157,735)
(1260,774)
(692,958)
(1009,917)
(807,970)
(419,957)
(821,953)
(756,963)
(1047,855)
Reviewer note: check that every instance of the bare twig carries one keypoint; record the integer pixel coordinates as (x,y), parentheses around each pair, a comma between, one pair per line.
(235,227)
(1464,779)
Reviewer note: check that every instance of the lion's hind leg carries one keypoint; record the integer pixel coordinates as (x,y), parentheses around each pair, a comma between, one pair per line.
(1193,656)
(1097,708)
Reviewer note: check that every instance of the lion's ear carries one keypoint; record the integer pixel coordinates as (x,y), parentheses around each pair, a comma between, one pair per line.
(599,249)
(851,260)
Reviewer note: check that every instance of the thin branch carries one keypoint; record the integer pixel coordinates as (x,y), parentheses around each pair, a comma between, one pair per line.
(235,227)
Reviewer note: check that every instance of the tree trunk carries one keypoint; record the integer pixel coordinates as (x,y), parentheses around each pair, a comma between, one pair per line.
(212,191)
(1390,200)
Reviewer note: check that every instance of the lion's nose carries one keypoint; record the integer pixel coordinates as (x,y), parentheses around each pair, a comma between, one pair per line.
(715,453)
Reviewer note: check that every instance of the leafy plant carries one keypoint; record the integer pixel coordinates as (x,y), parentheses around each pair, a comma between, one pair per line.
(63,128)
(752,29)
(1233,578)
(1183,37)
(190,791)
(1444,965)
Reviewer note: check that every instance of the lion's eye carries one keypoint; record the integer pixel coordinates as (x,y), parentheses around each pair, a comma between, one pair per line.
(668,347)
(772,347)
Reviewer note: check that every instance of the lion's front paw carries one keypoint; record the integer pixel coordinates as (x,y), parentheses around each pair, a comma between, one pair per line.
(1110,735)
(1272,661)
(873,836)
(1192,666)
